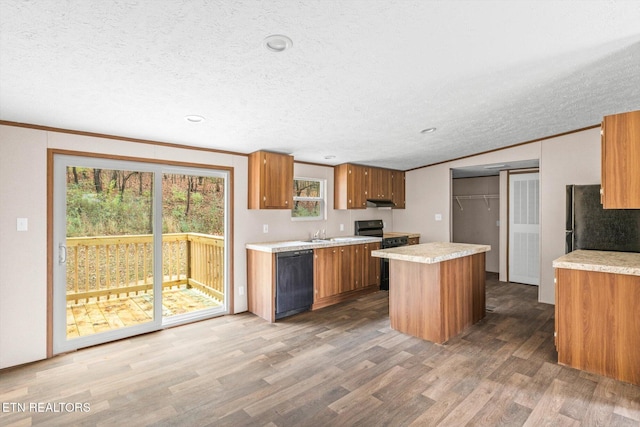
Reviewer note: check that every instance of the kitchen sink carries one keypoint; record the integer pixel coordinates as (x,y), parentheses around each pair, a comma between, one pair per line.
(294,243)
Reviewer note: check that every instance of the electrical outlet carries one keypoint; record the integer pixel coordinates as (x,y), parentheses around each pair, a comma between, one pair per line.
(438,217)
(265,228)
(341,227)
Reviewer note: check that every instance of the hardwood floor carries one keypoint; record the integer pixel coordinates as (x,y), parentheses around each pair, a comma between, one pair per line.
(338,366)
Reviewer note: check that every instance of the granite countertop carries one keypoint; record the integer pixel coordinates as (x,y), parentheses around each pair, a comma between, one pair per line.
(299,245)
(400,234)
(602,261)
(431,253)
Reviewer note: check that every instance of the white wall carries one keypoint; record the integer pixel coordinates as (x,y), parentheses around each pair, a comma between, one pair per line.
(569,159)
(23,255)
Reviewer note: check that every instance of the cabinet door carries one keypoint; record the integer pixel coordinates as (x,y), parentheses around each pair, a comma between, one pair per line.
(398,189)
(380,183)
(597,323)
(326,272)
(348,259)
(358,267)
(620,159)
(357,187)
(370,265)
(278,181)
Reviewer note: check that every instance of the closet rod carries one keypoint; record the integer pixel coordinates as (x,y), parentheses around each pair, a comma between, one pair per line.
(484,197)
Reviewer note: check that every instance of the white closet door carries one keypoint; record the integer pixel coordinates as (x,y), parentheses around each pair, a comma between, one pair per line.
(524,228)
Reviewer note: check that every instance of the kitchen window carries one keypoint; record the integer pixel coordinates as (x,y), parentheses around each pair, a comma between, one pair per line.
(308,199)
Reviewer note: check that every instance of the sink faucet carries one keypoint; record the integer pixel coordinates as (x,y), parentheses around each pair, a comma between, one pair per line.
(316,235)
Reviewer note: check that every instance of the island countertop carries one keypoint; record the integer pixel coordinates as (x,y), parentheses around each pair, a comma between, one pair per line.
(602,261)
(431,253)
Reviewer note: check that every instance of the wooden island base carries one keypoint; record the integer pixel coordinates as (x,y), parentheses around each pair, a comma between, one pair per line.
(437,301)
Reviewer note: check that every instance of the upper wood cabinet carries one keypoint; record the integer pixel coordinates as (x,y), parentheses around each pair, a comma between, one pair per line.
(398,189)
(354,184)
(270,180)
(380,184)
(621,161)
(351,186)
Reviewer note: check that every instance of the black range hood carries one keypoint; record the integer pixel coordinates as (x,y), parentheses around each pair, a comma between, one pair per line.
(380,203)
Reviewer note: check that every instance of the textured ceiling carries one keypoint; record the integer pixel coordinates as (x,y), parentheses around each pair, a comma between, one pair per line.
(362,79)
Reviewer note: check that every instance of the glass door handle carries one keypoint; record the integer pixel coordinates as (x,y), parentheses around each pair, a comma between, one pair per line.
(62,254)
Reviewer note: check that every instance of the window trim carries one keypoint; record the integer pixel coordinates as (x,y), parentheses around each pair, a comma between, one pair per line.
(322,199)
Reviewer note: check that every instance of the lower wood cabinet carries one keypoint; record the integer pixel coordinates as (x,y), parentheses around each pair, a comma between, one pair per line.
(261,284)
(344,272)
(598,323)
(339,273)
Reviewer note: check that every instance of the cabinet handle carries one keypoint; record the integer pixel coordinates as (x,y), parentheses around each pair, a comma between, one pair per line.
(286,202)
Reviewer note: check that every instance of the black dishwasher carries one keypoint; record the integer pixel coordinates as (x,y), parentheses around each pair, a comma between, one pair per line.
(294,282)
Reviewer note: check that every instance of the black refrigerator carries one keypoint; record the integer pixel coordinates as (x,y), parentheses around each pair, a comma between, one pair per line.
(589,226)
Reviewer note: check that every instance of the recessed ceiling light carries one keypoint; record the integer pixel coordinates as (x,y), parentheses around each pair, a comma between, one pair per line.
(428,130)
(277,43)
(194,119)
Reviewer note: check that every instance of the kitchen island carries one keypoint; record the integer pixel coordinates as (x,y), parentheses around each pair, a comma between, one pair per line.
(597,321)
(436,290)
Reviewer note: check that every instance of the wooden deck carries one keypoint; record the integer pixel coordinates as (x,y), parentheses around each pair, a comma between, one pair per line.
(106,314)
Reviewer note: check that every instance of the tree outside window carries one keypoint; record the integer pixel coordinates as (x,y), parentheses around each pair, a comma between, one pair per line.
(308,199)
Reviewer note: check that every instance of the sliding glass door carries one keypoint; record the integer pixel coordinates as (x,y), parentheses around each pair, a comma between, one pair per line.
(137,246)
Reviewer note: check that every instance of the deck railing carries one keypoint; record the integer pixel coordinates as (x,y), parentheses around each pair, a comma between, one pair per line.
(115,266)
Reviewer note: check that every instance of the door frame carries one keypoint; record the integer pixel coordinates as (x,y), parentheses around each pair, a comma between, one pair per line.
(51,252)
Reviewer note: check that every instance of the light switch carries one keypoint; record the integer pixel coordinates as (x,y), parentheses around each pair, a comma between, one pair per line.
(265,228)
(22,224)
(341,227)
